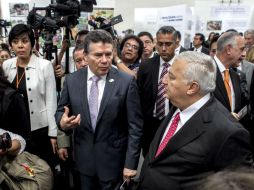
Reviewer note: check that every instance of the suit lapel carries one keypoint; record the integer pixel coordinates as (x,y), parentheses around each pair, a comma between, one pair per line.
(155,75)
(191,130)
(159,134)
(111,80)
(83,96)
(221,88)
(235,83)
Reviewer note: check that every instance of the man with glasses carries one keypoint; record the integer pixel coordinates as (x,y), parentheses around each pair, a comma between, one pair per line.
(151,72)
(147,40)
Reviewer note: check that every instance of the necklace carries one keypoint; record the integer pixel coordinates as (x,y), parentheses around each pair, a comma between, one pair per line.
(17,77)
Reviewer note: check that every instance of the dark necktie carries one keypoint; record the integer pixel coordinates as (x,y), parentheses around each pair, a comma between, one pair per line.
(160,101)
(93,100)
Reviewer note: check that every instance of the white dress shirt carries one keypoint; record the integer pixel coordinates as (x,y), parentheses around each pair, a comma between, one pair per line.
(186,114)
(166,100)
(101,85)
(222,69)
(198,49)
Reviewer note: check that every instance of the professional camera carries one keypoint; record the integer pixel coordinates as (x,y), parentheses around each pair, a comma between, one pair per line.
(106,24)
(5,141)
(3,25)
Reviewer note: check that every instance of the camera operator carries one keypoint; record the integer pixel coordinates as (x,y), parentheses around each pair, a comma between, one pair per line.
(79,40)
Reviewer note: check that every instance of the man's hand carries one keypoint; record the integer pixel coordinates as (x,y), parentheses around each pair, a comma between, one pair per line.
(54,145)
(63,153)
(59,72)
(128,173)
(69,122)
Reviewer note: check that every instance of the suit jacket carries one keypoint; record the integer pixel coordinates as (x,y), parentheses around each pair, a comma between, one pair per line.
(248,68)
(209,141)
(115,143)
(203,50)
(221,94)
(147,80)
(182,49)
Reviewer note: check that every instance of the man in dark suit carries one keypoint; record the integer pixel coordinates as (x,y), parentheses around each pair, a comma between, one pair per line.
(150,75)
(230,47)
(147,40)
(101,105)
(179,47)
(198,42)
(199,136)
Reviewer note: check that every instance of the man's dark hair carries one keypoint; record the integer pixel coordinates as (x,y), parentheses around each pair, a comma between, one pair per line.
(214,39)
(144,33)
(97,36)
(77,48)
(178,34)
(201,37)
(21,29)
(80,33)
(167,30)
(140,44)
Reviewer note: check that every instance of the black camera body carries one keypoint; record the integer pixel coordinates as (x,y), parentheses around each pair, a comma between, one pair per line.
(5,141)
(4,23)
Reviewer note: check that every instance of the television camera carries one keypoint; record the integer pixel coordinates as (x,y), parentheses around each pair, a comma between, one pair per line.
(63,13)
(106,24)
(3,25)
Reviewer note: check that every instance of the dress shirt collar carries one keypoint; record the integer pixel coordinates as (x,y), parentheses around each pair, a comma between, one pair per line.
(177,50)
(220,65)
(90,74)
(186,114)
(198,49)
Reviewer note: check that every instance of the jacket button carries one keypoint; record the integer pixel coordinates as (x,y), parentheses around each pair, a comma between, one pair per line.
(32,112)
(29,89)
(28,78)
(27,69)
(31,101)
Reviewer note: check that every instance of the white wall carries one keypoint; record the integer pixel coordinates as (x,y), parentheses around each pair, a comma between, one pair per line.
(126,9)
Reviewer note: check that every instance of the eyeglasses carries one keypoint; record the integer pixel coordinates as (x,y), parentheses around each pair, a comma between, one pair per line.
(166,44)
(127,45)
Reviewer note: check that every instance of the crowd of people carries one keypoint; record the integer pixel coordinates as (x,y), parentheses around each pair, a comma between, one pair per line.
(190,112)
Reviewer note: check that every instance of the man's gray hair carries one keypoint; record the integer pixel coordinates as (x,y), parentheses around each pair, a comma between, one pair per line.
(227,38)
(200,69)
(249,31)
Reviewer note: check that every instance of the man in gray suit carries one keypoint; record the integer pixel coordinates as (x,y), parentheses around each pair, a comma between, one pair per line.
(101,105)
(248,68)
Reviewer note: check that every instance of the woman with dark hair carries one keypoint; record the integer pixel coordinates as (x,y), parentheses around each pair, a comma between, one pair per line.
(4,53)
(34,78)
(12,109)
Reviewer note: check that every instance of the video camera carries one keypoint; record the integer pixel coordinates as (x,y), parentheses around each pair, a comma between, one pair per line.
(3,25)
(106,24)
(60,14)
(5,141)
